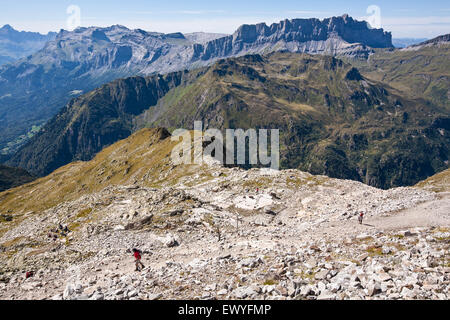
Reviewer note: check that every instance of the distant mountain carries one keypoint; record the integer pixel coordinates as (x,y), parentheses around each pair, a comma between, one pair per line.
(443,39)
(406,42)
(13,177)
(333,120)
(15,45)
(34,89)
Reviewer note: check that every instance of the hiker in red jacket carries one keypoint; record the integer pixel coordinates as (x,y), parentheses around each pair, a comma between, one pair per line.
(360,218)
(137,257)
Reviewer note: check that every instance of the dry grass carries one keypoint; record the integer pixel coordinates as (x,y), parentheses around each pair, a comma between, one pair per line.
(437,183)
(374,251)
(142,158)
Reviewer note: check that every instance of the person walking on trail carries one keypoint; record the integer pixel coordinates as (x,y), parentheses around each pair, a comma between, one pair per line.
(360,218)
(137,259)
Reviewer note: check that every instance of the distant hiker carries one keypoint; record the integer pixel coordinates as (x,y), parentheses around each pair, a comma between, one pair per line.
(137,256)
(29,274)
(257,190)
(360,218)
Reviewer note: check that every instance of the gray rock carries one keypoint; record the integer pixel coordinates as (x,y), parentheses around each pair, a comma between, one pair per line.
(244,292)
(310,263)
(97,296)
(58,297)
(250,262)
(222,292)
(68,291)
(155,296)
(321,275)
(334,287)
(374,289)
(326,295)
(170,241)
(132,293)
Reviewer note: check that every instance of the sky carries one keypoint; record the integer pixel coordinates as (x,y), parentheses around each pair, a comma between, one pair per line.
(405,19)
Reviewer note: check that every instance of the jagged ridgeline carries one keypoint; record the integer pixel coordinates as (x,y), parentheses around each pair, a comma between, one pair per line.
(18,44)
(35,88)
(332,119)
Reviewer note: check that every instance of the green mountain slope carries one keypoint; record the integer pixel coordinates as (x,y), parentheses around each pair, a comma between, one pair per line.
(332,120)
(91,122)
(418,71)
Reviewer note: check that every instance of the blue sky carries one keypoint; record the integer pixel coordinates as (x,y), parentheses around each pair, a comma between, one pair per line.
(403,18)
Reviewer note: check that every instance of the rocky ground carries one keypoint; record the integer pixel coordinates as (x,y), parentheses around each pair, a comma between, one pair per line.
(257,234)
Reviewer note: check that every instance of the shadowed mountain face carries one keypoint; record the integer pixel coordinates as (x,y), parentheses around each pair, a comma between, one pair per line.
(35,88)
(332,119)
(93,121)
(13,177)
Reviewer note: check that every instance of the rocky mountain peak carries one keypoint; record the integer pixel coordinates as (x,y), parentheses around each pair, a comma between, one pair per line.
(6,28)
(303,30)
(12,34)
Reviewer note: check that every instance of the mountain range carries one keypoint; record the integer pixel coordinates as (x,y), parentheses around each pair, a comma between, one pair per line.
(15,45)
(333,120)
(35,88)
(86,133)
(359,110)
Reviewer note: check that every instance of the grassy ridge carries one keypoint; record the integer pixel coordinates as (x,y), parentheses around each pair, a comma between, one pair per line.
(143,157)
(418,71)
